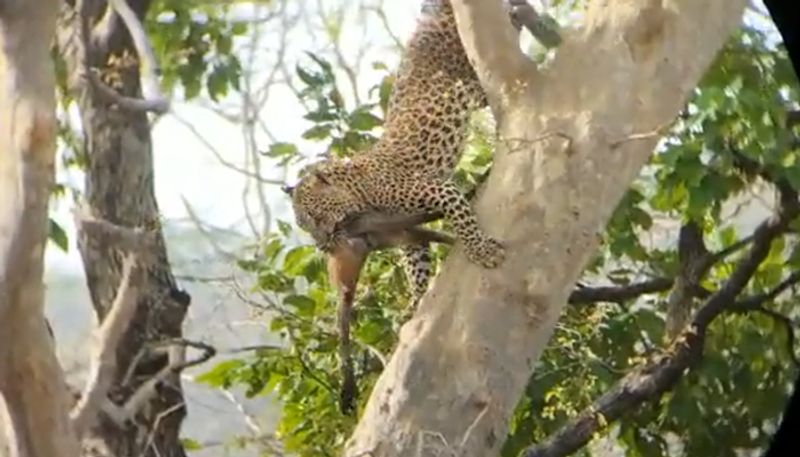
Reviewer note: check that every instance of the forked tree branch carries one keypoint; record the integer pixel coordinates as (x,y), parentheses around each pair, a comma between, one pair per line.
(153,100)
(177,362)
(104,348)
(492,45)
(652,380)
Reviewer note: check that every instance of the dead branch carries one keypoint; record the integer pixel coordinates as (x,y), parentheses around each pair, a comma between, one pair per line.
(104,347)
(176,351)
(152,435)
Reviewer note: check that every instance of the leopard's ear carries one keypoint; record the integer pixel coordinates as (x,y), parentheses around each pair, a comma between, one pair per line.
(322,176)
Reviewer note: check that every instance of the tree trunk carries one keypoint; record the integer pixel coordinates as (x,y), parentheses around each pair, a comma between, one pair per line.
(31,380)
(571,139)
(119,189)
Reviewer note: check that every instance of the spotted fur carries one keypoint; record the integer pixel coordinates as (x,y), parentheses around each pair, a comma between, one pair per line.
(409,169)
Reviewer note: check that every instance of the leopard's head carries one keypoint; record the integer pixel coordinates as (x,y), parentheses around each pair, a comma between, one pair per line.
(320,202)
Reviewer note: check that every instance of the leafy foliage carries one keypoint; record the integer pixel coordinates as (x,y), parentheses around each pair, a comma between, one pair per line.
(193,42)
(736,116)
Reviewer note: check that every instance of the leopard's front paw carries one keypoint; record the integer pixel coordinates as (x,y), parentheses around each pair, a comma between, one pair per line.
(489,253)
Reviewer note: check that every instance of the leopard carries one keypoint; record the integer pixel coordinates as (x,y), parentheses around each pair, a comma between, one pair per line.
(409,169)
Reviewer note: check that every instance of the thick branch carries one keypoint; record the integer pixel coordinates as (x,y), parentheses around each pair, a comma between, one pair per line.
(157,105)
(492,45)
(585,295)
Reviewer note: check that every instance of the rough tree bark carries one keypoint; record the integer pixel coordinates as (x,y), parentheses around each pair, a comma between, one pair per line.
(120,189)
(571,139)
(35,400)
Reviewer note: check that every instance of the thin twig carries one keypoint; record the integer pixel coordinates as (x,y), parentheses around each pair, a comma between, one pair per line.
(723,254)
(151,436)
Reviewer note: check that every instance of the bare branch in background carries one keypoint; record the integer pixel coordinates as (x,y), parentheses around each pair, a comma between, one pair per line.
(379,11)
(201,227)
(332,23)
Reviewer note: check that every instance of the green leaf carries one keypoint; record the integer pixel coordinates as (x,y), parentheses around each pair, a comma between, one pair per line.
(191,445)
(324,65)
(308,78)
(282,149)
(284,227)
(641,218)
(274,282)
(320,116)
(304,305)
(296,260)
(217,83)
(364,121)
(57,235)
(318,132)
(385,92)
(221,374)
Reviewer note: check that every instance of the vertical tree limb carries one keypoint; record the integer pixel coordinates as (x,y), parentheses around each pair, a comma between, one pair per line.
(31,380)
